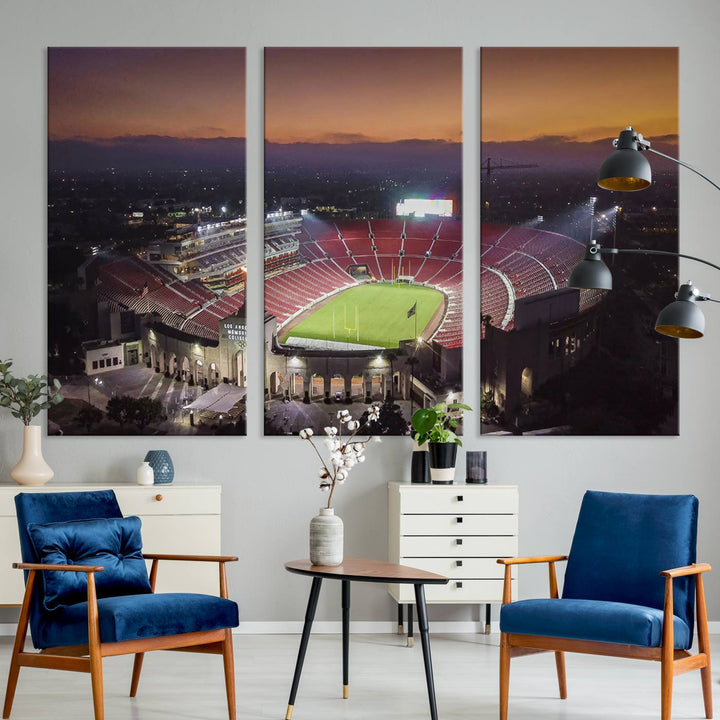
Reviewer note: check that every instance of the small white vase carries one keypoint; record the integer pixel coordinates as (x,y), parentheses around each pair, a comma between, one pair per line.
(145,474)
(326,538)
(32,468)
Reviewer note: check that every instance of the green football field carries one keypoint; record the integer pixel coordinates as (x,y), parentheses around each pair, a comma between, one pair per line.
(372,314)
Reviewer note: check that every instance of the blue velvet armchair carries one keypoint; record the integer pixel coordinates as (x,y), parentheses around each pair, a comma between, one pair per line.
(88,595)
(630,582)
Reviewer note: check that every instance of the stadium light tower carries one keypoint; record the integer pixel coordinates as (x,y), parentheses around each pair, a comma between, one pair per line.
(628,170)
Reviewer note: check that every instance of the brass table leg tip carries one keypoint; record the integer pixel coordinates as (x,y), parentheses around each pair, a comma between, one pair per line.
(411,642)
(288,714)
(487,629)
(345,692)
(400,630)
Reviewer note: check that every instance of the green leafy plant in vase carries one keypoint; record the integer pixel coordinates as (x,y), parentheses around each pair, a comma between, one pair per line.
(26,398)
(436,427)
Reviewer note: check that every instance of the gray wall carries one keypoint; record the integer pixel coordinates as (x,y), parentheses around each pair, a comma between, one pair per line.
(269,484)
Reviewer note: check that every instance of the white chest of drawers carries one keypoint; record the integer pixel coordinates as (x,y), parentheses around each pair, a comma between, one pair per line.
(456,530)
(180,519)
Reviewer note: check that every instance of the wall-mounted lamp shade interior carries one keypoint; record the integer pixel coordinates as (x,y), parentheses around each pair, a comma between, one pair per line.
(626,169)
(591,274)
(682,318)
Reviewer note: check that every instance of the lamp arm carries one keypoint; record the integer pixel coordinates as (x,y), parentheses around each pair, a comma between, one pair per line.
(615,251)
(684,164)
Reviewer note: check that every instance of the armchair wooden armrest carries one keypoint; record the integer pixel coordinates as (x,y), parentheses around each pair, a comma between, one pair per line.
(193,558)
(694,569)
(528,560)
(509,562)
(65,568)
(221,559)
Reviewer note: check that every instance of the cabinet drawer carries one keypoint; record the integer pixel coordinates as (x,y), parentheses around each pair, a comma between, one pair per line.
(172,500)
(472,591)
(458,499)
(469,568)
(458,525)
(458,546)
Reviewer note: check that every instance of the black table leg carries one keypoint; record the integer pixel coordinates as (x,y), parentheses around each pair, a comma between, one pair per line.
(487,618)
(346,635)
(425,640)
(410,637)
(400,629)
(309,615)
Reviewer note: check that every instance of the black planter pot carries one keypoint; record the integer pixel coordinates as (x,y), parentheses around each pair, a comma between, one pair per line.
(442,462)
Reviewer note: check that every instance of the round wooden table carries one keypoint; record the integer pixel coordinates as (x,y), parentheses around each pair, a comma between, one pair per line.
(363,570)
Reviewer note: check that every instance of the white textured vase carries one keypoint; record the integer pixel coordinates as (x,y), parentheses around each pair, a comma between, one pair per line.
(326,538)
(32,468)
(145,474)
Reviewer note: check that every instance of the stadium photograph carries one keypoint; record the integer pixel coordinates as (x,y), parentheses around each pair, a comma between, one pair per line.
(363,234)
(147,240)
(557,360)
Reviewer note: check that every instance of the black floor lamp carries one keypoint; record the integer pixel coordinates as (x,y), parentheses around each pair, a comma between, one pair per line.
(628,170)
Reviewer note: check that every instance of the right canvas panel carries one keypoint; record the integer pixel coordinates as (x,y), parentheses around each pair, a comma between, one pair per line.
(557,360)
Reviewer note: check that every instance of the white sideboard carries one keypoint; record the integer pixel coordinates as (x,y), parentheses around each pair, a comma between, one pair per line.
(181,519)
(455,530)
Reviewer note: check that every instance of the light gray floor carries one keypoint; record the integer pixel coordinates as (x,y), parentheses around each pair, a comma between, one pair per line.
(386,683)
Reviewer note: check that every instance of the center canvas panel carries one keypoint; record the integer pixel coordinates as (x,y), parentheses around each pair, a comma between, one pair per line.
(363,234)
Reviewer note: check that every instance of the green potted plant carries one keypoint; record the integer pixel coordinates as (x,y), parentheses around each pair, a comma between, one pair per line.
(436,427)
(26,398)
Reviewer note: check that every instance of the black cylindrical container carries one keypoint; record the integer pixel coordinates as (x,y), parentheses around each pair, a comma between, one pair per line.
(420,468)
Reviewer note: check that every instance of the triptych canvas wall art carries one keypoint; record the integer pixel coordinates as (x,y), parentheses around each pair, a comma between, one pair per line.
(363,242)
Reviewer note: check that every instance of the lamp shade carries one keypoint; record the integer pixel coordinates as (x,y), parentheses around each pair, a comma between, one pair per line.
(626,169)
(591,274)
(682,318)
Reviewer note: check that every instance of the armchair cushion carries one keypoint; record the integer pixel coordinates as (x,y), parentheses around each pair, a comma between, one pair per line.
(138,616)
(113,543)
(598,620)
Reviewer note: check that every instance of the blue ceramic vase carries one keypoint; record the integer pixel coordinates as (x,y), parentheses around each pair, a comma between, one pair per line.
(162,466)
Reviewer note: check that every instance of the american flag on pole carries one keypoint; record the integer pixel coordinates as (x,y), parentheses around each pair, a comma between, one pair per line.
(412,310)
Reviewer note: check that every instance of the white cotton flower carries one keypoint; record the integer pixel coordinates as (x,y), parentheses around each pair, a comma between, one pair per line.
(343,415)
(340,475)
(306,434)
(361,459)
(353,425)
(323,473)
(330,431)
(374,413)
(347,449)
(358,447)
(324,487)
(350,462)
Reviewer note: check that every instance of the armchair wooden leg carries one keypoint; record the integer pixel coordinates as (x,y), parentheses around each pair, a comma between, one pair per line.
(229,665)
(96,672)
(19,645)
(504,675)
(137,667)
(562,682)
(704,645)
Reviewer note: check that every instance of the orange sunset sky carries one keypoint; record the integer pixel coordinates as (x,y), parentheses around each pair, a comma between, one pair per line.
(100,93)
(342,95)
(583,93)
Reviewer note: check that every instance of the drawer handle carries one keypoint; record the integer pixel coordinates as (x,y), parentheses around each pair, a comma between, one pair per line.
(458,585)
(158,497)
(458,563)
(459,519)
(460,498)
(458,541)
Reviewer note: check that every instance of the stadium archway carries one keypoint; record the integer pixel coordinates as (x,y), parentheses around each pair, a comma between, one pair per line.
(185,368)
(239,368)
(526,382)
(153,356)
(172,364)
(161,361)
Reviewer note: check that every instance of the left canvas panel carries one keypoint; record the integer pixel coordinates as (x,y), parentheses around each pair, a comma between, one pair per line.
(147,240)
